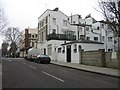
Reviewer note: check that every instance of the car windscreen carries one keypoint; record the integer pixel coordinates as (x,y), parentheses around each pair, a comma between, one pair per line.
(42,56)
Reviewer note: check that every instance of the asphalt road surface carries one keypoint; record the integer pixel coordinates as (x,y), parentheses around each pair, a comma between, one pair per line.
(19,73)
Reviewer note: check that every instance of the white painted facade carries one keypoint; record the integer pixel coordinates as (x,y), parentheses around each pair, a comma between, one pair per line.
(75,56)
(54,21)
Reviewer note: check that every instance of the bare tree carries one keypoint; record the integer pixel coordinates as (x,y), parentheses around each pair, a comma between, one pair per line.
(111,12)
(13,36)
(3,20)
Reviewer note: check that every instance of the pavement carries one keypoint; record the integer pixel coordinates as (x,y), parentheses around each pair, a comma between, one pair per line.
(94,69)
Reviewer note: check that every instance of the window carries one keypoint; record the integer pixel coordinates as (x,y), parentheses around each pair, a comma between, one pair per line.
(32,36)
(88,38)
(98,28)
(63,51)
(74,22)
(27,52)
(32,44)
(82,37)
(75,48)
(46,20)
(108,27)
(42,36)
(36,35)
(110,50)
(42,23)
(54,21)
(54,31)
(102,25)
(103,38)
(59,50)
(50,49)
(87,28)
(96,38)
(65,23)
(109,38)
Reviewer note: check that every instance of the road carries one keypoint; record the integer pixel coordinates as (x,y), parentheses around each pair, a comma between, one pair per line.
(19,73)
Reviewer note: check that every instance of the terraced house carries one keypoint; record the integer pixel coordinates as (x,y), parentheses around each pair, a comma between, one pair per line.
(28,40)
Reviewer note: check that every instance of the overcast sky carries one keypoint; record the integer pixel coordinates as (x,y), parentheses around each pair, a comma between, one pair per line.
(24,13)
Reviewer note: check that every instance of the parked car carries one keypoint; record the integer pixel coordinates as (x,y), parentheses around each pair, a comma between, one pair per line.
(43,59)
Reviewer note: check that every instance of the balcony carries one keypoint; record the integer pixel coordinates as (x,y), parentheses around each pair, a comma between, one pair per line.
(61,37)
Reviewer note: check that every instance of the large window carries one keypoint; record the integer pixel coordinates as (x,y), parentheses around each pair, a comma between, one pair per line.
(65,23)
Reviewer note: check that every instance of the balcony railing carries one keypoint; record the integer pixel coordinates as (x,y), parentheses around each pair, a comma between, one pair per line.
(61,37)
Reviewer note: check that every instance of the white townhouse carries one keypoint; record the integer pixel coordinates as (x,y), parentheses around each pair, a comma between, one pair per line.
(106,35)
(56,30)
(99,31)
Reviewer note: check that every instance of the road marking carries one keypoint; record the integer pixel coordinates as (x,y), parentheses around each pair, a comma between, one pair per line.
(53,76)
(31,66)
(10,60)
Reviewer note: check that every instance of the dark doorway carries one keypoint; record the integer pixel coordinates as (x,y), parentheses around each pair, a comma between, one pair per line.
(44,51)
(68,53)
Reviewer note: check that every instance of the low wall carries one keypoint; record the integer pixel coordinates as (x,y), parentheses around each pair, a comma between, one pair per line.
(95,58)
(111,60)
(100,58)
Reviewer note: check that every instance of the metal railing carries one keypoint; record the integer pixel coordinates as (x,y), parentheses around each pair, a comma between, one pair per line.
(61,37)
